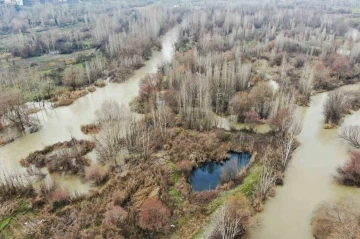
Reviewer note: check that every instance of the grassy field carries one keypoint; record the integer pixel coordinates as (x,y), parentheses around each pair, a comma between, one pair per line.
(355,10)
(45,63)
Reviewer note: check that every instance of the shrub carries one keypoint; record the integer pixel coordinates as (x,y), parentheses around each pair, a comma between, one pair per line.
(100,83)
(342,67)
(153,215)
(59,196)
(352,135)
(97,174)
(349,174)
(14,186)
(233,219)
(119,197)
(205,197)
(63,102)
(91,88)
(252,118)
(115,215)
(337,219)
(185,166)
(224,137)
(60,157)
(90,129)
(335,107)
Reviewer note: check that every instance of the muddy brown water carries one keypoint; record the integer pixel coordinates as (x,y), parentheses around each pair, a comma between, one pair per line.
(309,178)
(61,123)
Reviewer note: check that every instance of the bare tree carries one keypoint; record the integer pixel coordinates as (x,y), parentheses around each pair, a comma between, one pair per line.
(335,107)
(352,135)
(13,108)
(266,182)
(306,82)
(232,219)
(337,219)
(287,143)
(110,141)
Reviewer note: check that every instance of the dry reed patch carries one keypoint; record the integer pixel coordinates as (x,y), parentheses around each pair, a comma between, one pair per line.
(90,128)
(100,83)
(66,156)
(91,88)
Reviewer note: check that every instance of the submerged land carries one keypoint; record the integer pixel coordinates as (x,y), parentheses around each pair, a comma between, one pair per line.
(196,119)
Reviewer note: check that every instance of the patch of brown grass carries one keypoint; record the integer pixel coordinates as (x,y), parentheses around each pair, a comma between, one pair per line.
(97,174)
(61,157)
(63,102)
(100,83)
(90,128)
(91,88)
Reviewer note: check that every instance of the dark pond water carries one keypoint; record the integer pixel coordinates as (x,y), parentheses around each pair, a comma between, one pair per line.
(207,175)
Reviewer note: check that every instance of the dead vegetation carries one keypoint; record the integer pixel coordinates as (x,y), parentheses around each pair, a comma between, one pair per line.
(337,219)
(66,98)
(352,135)
(65,157)
(90,128)
(349,174)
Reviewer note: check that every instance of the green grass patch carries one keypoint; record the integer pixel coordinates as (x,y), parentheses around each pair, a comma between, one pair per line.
(6,221)
(175,195)
(181,221)
(247,188)
(175,174)
(355,10)
(23,209)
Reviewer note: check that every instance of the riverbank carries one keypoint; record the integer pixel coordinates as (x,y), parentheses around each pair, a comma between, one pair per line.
(309,178)
(61,124)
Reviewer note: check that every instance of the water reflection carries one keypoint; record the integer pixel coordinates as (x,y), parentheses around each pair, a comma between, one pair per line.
(207,176)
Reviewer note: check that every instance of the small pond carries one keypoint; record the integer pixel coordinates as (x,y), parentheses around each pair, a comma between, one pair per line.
(207,175)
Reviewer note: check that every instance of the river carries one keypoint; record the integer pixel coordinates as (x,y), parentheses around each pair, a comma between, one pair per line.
(62,123)
(309,178)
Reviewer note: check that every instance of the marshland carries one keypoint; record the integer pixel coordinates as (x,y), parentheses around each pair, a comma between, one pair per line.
(180,119)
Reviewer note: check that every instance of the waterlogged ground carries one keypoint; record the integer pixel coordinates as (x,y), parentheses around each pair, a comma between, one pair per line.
(62,123)
(207,176)
(309,178)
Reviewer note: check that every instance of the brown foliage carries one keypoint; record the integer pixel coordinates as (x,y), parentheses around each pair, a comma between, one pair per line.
(91,88)
(90,128)
(185,166)
(252,118)
(100,83)
(59,196)
(337,219)
(352,135)
(14,186)
(335,107)
(197,147)
(119,197)
(205,197)
(60,156)
(153,215)
(349,174)
(115,215)
(342,67)
(257,100)
(63,102)
(97,174)
(233,219)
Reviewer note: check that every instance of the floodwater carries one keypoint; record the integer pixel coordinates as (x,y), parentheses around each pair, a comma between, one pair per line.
(62,123)
(309,178)
(207,175)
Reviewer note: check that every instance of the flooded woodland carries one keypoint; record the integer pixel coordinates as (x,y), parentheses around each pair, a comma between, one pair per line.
(196,119)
